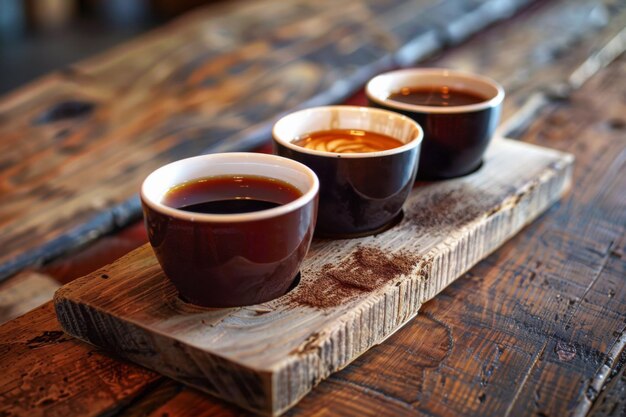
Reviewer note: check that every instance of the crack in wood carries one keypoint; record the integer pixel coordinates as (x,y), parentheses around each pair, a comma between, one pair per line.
(594,386)
(538,357)
(310,344)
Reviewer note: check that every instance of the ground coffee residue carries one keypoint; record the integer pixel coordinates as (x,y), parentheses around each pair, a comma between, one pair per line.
(451,208)
(365,270)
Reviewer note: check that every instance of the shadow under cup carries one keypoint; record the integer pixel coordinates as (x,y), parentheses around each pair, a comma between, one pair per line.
(360,193)
(227,260)
(455,137)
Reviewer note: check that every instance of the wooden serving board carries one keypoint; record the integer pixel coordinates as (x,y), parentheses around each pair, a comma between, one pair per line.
(352,295)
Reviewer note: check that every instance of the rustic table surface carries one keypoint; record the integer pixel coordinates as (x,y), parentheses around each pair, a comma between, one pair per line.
(538,328)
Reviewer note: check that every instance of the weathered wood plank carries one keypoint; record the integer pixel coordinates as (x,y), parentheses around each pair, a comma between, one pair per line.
(46,373)
(27,290)
(266,357)
(75,146)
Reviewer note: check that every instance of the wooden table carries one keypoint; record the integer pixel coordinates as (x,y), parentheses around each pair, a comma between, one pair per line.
(538,328)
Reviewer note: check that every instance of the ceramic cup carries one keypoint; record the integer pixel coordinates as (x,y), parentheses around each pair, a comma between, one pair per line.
(455,137)
(224,260)
(360,193)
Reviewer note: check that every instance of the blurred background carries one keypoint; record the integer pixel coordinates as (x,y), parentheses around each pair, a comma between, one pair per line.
(38,36)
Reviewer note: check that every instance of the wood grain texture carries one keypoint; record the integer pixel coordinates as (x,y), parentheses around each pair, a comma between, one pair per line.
(47,373)
(266,357)
(27,290)
(75,145)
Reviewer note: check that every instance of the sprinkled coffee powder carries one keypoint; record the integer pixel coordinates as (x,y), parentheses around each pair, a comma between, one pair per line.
(365,270)
(443,211)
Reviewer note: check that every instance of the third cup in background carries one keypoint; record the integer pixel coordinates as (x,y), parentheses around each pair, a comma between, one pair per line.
(455,136)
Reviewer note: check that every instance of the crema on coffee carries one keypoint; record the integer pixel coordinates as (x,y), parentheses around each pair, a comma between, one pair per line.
(347,141)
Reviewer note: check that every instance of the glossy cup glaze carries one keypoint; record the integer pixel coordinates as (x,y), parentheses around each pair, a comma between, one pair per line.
(455,137)
(224,260)
(360,193)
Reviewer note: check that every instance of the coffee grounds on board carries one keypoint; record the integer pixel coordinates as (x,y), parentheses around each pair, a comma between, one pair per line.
(367,269)
(440,212)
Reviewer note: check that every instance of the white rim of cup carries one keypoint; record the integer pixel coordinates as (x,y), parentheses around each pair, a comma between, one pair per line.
(289,144)
(271,160)
(374,95)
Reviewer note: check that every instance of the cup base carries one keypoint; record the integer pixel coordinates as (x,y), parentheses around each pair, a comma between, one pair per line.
(425,176)
(294,283)
(184,301)
(397,219)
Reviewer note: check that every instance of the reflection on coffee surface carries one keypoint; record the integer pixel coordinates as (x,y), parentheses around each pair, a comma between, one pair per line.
(438,96)
(347,141)
(230,194)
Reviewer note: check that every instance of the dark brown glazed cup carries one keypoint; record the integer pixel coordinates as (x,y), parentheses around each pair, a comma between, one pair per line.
(227,260)
(455,137)
(360,193)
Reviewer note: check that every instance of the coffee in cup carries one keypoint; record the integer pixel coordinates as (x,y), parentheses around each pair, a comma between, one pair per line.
(365,158)
(459,112)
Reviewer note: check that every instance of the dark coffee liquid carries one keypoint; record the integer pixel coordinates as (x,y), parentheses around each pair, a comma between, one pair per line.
(230,194)
(438,96)
(230,206)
